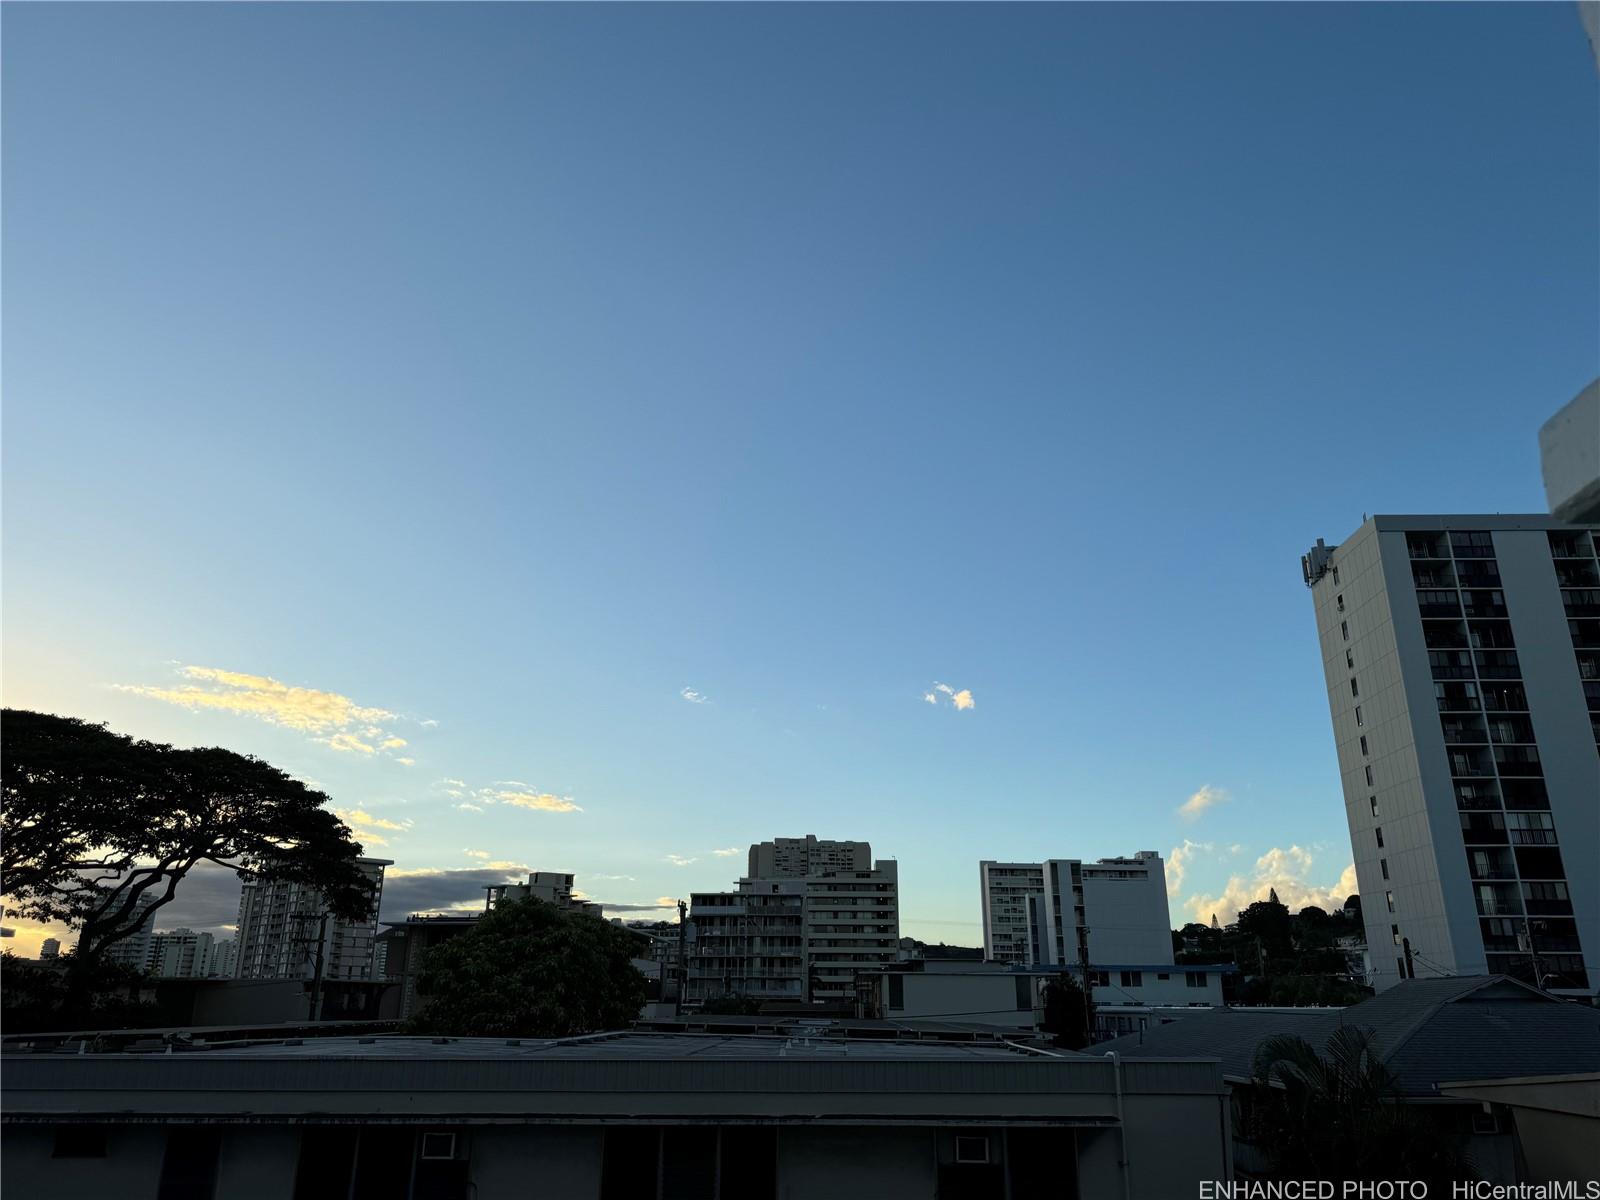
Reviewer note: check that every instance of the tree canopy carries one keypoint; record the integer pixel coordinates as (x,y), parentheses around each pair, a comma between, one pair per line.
(1066,1012)
(94,823)
(530,969)
(1338,1115)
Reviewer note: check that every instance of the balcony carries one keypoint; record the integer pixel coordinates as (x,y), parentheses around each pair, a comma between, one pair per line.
(1439,604)
(1504,697)
(1568,544)
(1426,545)
(1444,635)
(1585,634)
(1518,760)
(1484,604)
(1498,907)
(1582,602)
(1498,664)
(1463,730)
(1577,573)
(1433,576)
(1453,664)
(1472,543)
(1478,574)
(1550,908)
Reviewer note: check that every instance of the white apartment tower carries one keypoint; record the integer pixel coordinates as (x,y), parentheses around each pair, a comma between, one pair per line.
(1462,657)
(810,915)
(281,924)
(1112,911)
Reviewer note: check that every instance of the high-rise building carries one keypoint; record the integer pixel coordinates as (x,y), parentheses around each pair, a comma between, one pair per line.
(1462,657)
(224,956)
(282,923)
(1112,912)
(809,917)
(553,887)
(49,948)
(133,951)
(181,954)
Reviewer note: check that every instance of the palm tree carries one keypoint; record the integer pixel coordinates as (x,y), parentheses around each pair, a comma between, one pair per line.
(1340,1115)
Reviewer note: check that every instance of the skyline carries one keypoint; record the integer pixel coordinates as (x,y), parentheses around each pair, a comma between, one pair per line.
(662,431)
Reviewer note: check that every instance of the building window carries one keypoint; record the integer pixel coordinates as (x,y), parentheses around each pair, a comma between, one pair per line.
(1369,772)
(1383,865)
(1394,931)
(1339,599)
(972,1148)
(1378,833)
(1194,979)
(1336,577)
(1388,898)
(1349,660)
(1344,630)
(1373,800)
(1132,979)
(1355,688)
(438,1145)
(1364,746)
(1360,720)
(1099,978)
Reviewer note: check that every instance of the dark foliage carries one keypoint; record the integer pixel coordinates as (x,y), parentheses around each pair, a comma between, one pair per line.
(1066,1012)
(41,997)
(93,822)
(531,969)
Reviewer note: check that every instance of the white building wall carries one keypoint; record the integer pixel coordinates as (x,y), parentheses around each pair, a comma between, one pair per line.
(1376,638)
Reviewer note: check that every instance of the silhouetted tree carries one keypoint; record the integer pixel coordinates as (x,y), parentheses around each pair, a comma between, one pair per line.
(531,969)
(731,1004)
(1268,921)
(94,822)
(1066,1012)
(1338,1116)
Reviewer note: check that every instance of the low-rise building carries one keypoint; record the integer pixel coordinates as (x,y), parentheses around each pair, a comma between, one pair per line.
(618,1116)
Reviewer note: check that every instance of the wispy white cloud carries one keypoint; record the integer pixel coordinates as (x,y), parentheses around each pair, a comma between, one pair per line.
(628,878)
(335,720)
(1206,798)
(406,762)
(476,853)
(464,806)
(694,697)
(539,801)
(728,852)
(943,693)
(679,860)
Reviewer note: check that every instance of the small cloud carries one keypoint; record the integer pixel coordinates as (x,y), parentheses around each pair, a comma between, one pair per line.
(1206,797)
(476,853)
(694,697)
(728,852)
(349,741)
(456,783)
(1236,848)
(504,864)
(465,807)
(679,860)
(959,699)
(430,723)
(406,762)
(539,801)
(666,902)
(629,878)
(391,743)
(368,827)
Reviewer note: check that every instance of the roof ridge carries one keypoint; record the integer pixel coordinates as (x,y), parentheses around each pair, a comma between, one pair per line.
(1478,983)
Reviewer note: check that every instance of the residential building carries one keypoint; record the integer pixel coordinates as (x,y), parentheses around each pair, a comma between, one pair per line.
(990,993)
(811,916)
(1569,456)
(1462,659)
(49,948)
(553,887)
(1430,1034)
(806,1113)
(133,951)
(224,957)
(284,927)
(1061,911)
(181,954)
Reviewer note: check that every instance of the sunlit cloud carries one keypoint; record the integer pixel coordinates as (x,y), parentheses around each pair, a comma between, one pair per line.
(943,693)
(628,878)
(406,762)
(679,860)
(1179,859)
(369,828)
(466,807)
(336,721)
(1288,872)
(694,697)
(476,853)
(666,902)
(505,864)
(539,801)
(1206,798)
(728,852)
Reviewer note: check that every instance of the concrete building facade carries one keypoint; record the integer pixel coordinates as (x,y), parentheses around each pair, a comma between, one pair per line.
(1462,662)
(182,954)
(133,951)
(800,1115)
(812,916)
(1064,910)
(282,924)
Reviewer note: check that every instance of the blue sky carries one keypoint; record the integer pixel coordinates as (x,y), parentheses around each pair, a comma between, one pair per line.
(504,371)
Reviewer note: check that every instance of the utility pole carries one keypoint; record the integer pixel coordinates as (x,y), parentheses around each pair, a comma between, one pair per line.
(682,971)
(1088,986)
